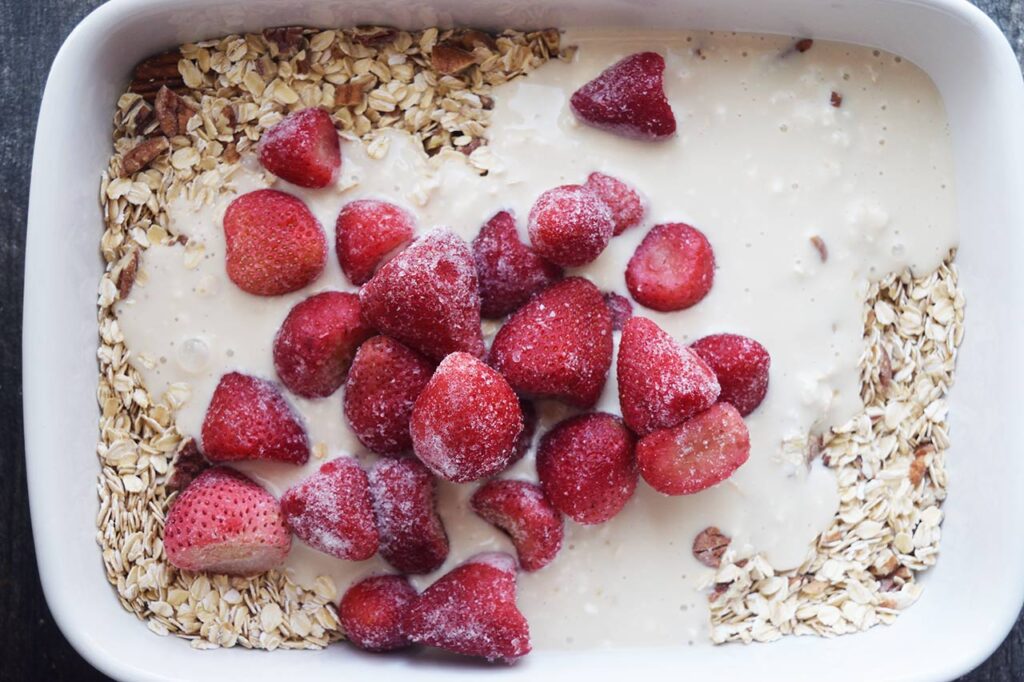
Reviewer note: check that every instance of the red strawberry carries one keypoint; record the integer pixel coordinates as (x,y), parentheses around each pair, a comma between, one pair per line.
(586,467)
(383,383)
(510,271)
(412,536)
(248,418)
(428,297)
(529,430)
(371,612)
(697,454)
(366,233)
(661,383)
(620,308)
(626,206)
(521,510)
(472,611)
(559,345)
(302,149)
(672,269)
(274,244)
(225,523)
(570,225)
(741,365)
(628,99)
(331,511)
(316,343)
(466,423)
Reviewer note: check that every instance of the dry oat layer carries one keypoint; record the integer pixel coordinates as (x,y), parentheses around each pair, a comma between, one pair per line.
(182,127)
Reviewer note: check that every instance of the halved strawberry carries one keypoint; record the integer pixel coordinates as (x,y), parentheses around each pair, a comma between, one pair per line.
(331,511)
(570,225)
(661,383)
(625,203)
(466,423)
(366,233)
(372,610)
(672,269)
(697,454)
(248,418)
(521,510)
(315,345)
(628,99)
(428,297)
(586,467)
(510,271)
(383,383)
(412,536)
(302,149)
(559,345)
(274,244)
(620,308)
(225,523)
(472,611)
(741,365)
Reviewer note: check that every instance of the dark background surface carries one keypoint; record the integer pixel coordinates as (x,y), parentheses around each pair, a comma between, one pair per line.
(31,646)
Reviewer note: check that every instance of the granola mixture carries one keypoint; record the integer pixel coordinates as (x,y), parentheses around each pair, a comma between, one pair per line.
(182,127)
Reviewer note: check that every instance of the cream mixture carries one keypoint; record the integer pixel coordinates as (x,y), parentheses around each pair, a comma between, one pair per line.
(762,163)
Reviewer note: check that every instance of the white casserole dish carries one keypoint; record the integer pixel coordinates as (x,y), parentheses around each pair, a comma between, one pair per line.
(970,600)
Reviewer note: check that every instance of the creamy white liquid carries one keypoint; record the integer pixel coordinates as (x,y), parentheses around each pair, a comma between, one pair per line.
(762,162)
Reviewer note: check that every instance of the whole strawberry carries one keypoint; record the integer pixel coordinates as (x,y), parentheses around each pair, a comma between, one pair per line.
(741,365)
(412,535)
(274,244)
(248,418)
(316,343)
(225,523)
(428,297)
(372,610)
(302,149)
(570,225)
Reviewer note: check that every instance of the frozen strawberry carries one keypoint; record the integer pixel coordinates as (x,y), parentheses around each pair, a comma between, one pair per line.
(697,454)
(331,511)
(248,418)
(741,365)
(521,510)
(672,269)
(366,233)
(510,271)
(372,610)
(466,423)
(412,537)
(428,297)
(302,149)
(471,610)
(624,201)
(586,467)
(225,523)
(529,430)
(316,343)
(620,308)
(628,99)
(559,345)
(661,383)
(383,383)
(274,244)
(570,225)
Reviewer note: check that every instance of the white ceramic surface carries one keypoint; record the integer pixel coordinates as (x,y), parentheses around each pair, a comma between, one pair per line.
(971,598)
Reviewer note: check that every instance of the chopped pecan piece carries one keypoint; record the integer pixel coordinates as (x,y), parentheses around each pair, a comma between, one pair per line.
(836,99)
(819,245)
(286,38)
(709,546)
(450,60)
(373,35)
(231,154)
(143,154)
(487,102)
(156,72)
(172,112)
(920,464)
(348,94)
(143,116)
(475,143)
(884,368)
(803,44)
(229,113)
(188,463)
(470,39)
(126,278)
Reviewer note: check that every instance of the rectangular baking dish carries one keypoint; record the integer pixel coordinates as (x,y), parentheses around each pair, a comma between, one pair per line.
(971,598)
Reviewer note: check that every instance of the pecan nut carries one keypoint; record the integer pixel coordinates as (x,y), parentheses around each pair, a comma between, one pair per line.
(709,546)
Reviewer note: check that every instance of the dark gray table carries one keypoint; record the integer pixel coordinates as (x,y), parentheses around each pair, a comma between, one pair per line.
(31,646)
